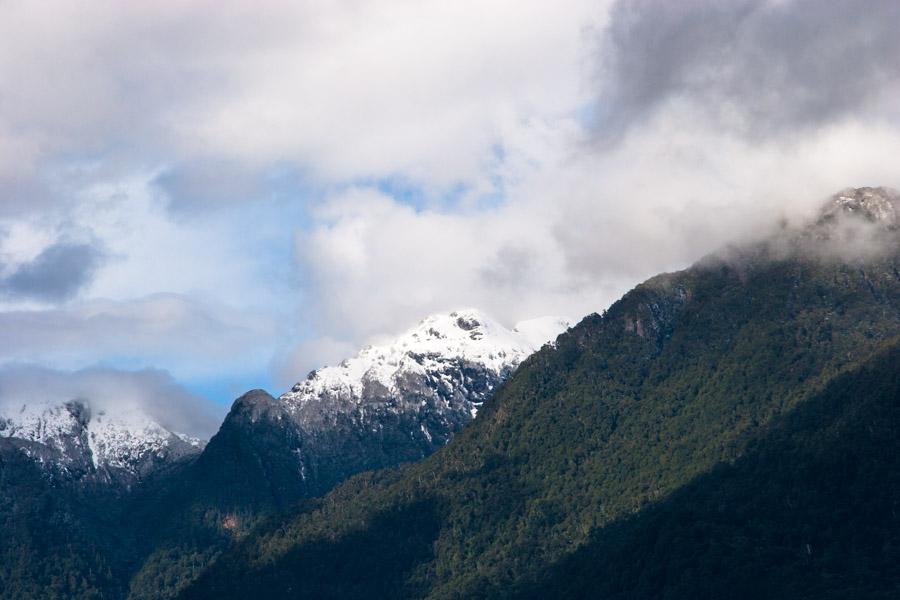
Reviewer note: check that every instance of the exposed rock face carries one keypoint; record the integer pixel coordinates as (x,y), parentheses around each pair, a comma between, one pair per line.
(403,400)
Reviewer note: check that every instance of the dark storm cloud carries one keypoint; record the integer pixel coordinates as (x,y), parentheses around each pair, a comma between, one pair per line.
(57,273)
(761,67)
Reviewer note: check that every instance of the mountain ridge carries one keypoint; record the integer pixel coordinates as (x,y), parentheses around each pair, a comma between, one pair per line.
(74,441)
(391,404)
(686,374)
(694,385)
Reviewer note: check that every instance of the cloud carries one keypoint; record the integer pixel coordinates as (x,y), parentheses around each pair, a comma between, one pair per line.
(760,67)
(151,391)
(57,273)
(190,338)
(325,173)
(344,90)
(297,362)
(202,185)
(576,231)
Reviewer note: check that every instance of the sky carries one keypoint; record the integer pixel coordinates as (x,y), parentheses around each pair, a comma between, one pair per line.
(202,198)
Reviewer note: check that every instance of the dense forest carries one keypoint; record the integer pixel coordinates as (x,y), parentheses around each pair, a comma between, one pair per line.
(726,431)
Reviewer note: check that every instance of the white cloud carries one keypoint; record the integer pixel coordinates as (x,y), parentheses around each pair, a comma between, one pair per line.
(152,391)
(163,133)
(188,337)
(345,89)
(577,231)
(419,88)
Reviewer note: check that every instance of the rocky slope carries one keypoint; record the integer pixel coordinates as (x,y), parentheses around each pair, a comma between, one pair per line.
(422,387)
(875,205)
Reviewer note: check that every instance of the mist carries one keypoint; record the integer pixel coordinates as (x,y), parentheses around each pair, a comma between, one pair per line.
(152,392)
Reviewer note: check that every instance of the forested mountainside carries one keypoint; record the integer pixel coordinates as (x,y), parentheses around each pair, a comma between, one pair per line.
(67,473)
(725,431)
(105,502)
(390,404)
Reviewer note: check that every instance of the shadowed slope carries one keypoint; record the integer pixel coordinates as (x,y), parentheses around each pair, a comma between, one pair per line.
(811,511)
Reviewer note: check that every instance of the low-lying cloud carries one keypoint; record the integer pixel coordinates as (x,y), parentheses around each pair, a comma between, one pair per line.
(153,392)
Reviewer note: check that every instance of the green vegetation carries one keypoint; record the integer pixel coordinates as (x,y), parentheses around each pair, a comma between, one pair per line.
(54,543)
(700,401)
(726,431)
(809,512)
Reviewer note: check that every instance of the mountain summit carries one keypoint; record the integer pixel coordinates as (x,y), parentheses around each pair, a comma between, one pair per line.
(448,362)
(73,440)
(726,431)
(391,403)
(877,205)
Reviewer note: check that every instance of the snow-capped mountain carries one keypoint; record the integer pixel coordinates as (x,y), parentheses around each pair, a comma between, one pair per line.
(72,439)
(448,361)
(389,404)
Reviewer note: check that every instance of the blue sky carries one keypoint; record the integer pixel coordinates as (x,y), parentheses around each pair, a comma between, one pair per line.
(233,198)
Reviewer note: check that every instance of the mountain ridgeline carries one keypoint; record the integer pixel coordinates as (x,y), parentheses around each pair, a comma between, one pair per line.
(67,473)
(726,431)
(390,404)
(107,503)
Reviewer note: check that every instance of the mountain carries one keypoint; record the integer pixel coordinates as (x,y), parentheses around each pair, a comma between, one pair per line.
(725,431)
(872,205)
(401,401)
(730,430)
(103,501)
(72,441)
(67,467)
(390,404)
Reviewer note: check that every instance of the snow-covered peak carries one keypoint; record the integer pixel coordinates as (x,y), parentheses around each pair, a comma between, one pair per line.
(42,422)
(73,433)
(466,335)
(395,401)
(124,438)
(469,334)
